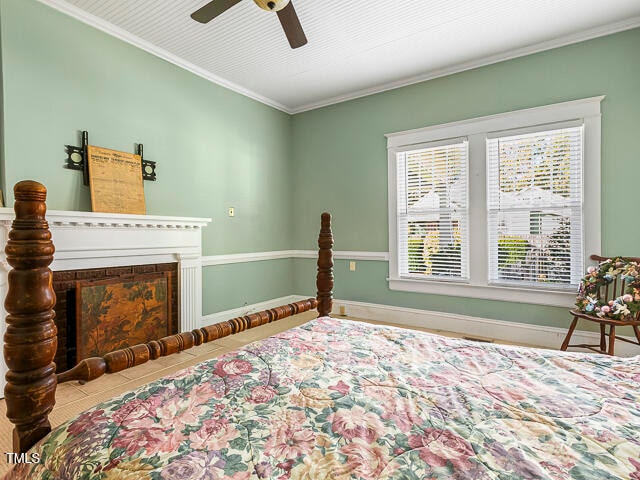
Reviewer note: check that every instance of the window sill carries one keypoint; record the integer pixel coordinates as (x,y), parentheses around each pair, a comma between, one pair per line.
(552,298)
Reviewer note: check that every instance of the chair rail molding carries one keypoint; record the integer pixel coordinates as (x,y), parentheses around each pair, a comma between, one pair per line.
(212,260)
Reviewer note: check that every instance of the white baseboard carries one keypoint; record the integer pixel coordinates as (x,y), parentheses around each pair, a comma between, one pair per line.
(218,317)
(516,332)
(547,337)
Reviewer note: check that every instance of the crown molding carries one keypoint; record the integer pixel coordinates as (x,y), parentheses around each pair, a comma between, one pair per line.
(128,37)
(590,34)
(110,29)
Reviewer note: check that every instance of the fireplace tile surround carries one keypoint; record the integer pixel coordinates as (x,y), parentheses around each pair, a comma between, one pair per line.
(91,240)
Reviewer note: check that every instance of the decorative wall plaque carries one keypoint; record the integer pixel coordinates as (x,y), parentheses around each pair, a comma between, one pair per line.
(115,180)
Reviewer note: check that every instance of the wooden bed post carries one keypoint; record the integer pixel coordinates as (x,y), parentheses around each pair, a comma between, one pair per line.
(324,279)
(30,339)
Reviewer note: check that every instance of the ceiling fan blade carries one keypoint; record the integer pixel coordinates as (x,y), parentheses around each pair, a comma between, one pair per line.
(212,9)
(291,26)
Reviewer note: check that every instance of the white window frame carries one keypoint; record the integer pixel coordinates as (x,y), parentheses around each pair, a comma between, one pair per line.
(477,130)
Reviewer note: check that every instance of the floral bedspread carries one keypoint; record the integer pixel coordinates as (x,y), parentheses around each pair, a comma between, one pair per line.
(335,399)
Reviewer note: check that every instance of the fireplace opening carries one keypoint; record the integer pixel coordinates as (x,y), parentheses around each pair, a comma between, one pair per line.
(152,293)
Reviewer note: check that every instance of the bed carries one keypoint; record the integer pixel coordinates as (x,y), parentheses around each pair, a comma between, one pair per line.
(331,399)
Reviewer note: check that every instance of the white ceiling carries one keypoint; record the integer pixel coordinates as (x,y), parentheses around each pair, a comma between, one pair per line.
(356,47)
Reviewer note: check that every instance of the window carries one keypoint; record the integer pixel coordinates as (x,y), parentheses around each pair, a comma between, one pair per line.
(497,207)
(535,208)
(432,211)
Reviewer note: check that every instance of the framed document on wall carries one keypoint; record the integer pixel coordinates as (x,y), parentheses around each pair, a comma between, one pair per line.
(115,181)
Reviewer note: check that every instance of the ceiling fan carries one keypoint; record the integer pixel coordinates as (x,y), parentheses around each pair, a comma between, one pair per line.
(284,8)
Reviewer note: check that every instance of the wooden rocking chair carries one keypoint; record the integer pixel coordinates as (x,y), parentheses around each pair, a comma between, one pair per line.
(595,296)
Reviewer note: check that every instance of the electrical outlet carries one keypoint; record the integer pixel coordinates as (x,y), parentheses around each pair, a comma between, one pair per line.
(247,310)
(352,266)
(343,310)
(231,211)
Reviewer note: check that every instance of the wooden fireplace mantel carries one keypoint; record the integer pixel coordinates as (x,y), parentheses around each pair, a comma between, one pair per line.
(92,239)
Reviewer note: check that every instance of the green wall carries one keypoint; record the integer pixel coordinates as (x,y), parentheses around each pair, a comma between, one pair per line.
(340,159)
(214,148)
(261,281)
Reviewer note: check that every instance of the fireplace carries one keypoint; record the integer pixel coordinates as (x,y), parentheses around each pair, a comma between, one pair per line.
(100,245)
(66,284)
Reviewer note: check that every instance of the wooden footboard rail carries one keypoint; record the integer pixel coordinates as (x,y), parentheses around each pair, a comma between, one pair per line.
(92,368)
(30,338)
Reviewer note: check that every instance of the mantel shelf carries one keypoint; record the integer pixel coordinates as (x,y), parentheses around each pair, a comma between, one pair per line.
(97,219)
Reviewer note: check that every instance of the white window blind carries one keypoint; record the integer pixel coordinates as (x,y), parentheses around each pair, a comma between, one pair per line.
(432,212)
(534,201)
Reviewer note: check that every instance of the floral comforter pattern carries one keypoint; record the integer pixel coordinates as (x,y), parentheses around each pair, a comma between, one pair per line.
(335,399)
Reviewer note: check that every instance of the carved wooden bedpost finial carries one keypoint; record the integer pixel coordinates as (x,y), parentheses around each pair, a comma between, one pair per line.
(30,338)
(324,280)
